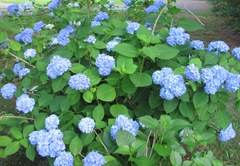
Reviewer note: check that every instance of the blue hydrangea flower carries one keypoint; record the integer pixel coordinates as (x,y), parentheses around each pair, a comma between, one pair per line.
(219,73)
(43,149)
(101,16)
(122,122)
(37,136)
(58,66)
(86,125)
(30,53)
(151,9)
(79,82)
(51,122)
(177,36)
(127,2)
(148,25)
(25,36)
(232,82)
(95,23)
(56,147)
(25,5)
(54,41)
(206,75)
(63,36)
(90,39)
(227,134)
(218,46)
(236,53)
(94,159)
(175,83)
(17,67)
(192,73)
(166,93)
(64,159)
(23,72)
(132,27)
(110,45)
(197,44)
(105,63)
(54,4)
(25,104)
(158,4)
(54,134)
(37,27)
(8,90)
(0,13)
(13,8)
(158,76)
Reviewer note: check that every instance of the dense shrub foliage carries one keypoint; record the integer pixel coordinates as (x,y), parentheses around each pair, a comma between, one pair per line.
(229,9)
(98,86)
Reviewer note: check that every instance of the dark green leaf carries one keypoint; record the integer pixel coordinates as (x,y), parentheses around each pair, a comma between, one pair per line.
(175,158)
(27,130)
(149,122)
(162,150)
(141,79)
(77,68)
(200,99)
(45,99)
(58,84)
(187,110)
(118,109)
(126,49)
(124,138)
(30,152)
(106,92)
(39,122)
(166,52)
(98,113)
(76,146)
(3,36)
(170,105)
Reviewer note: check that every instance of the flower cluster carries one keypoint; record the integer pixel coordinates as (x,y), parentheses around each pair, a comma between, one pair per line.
(54,4)
(127,2)
(13,8)
(132,27)
(236,53)
(20,70)
(154,8)
(177,36)
(86,125)
(37,27)
(25,36)
(110,45)
(213,78)
(232,83)
(51,122)
(8,90)
(99,17)
(94,159)
(105,63)
(30,53)
(25,104)
(172,85)
(25,5)
(64,158)
(122,122)
(192,73)
(79,82)
(218,46)
(227,134)
(58,66)
(63,36)
(90,39)
(197,44)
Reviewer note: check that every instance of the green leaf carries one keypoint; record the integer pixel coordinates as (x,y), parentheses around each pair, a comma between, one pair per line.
(39,122)
(170,105)
(151,52)
(55,104)
(210,59)
(58,84)
(15,131)
(196,61)
(106,92)
(166,52)
(124,150)
(41,66)
(76,146)
(124,138)
(45,99)
(144,34)
(154,100)
(24,142)
(5,140)
(202,161)
(26,82)
(12,148)
(87,138)
(189,141)
(68,136)
(88,96)
(118,109)
(149,122)
(162,150)
(74,97)
(27,130)
(99,44)
(126,49)
(30,152)
(187,110)
(175,158)
(178,124)
(223,119)
(189,24)
(15,46)
(200,99)
(3,36)
(143,160)
(127,85)
(98,113)
(77,68)
(141,79)
(113,78)
(126,65)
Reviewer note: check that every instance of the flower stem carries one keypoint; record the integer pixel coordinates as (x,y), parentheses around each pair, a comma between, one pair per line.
(155,24)
(102,142)
(15,117)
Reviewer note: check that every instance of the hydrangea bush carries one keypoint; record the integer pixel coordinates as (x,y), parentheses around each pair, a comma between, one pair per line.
(94,86)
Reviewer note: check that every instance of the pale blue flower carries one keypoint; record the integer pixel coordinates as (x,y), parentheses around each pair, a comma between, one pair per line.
(13,8)
(64,159)
(30,53)
(132,27)
(37,27)
(86,125)
(151,9)
(23,72)
(51,122)
(197,45)
(90,39)
(95,23)
(166,93)
(63,36)
(233,82)
(105,63)
(101,16)
(218,46)
(236,53)
(8,91)
(177,36)
(94,159)
(79,82)
(25,104)
(53,4)
(56,147)
(227,134)
(127,2)
(25,36)
(192,73)
(158,76)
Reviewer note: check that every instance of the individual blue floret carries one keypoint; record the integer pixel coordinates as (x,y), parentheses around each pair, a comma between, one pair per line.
(25,104)
(132,27)
(227,134)
(151,9)
(79,82)
(158,76)
(105,63)
(51,122)
(233,82)
(122,122)
(94,159)
(13,8)
(64,159)
(236,53)
(90,39)
(30,53)
(101,16)
(58,66)
(37,27)
(192,73)
(86,125)
(8,90)
(217,46)
(197,44)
